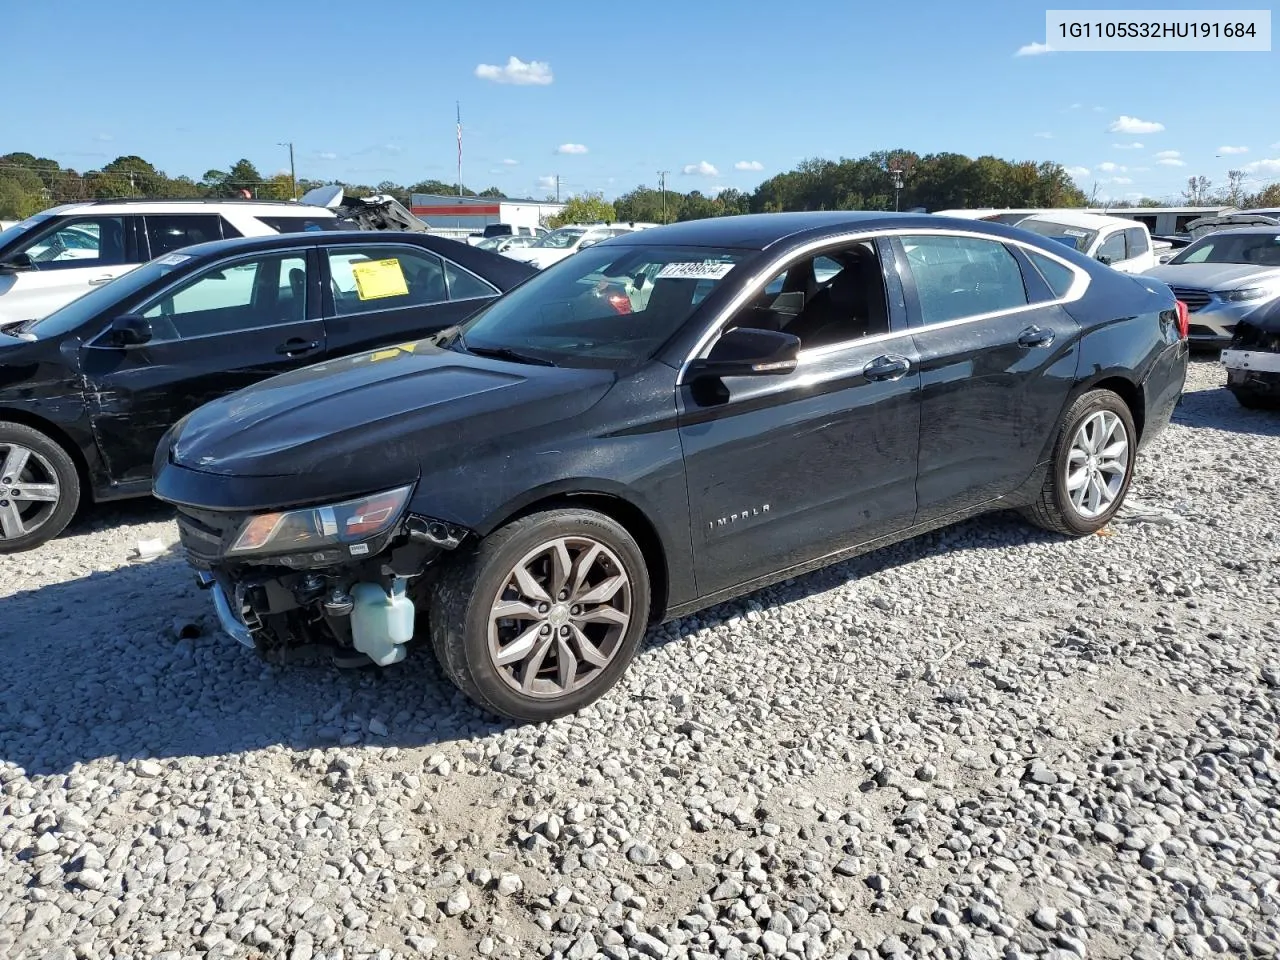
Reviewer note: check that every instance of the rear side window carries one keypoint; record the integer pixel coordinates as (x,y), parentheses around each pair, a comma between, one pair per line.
(169,232)
(464,285)
(296,224)
(377,277)
(1058,277)
(1135,243)
(958,277)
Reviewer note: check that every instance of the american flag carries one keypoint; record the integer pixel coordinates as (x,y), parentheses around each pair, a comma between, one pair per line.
(459,135)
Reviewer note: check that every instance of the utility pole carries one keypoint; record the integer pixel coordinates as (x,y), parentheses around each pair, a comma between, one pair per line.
(662,185)
(293,175)
(897,184)
(557,188)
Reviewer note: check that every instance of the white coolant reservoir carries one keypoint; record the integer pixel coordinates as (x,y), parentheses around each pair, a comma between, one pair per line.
(380,623)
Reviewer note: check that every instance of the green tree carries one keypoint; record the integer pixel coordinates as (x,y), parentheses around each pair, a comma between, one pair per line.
(584,208)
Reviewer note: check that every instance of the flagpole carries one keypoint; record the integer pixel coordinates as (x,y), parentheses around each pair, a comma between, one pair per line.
(459,106)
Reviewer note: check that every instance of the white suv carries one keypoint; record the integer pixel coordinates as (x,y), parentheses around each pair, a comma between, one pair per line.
(48,260)
(564,241)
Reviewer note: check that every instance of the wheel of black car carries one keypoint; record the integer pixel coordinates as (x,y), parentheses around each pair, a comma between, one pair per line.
(39,488)
(1091,468)
(544,615)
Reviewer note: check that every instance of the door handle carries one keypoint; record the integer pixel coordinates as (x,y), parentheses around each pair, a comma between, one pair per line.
(297,347)
(98,281)
(887,368)
(1035,337)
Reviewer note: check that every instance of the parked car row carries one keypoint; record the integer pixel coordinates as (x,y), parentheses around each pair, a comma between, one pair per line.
(369,438)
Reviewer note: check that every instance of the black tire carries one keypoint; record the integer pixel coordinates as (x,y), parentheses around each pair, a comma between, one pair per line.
(463,595)
(50,458)
(1053,509)
(1252,401)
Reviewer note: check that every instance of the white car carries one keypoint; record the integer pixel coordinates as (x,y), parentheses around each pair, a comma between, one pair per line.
(565,241)
(50,259)
(1122,244)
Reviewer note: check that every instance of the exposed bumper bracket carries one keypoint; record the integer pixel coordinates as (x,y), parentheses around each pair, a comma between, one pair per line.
(231,624)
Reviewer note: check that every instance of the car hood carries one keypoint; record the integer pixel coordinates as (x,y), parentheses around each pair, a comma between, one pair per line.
(371,420)
(1212,276)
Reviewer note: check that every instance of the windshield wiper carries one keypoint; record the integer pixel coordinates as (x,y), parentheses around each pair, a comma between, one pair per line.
(505,353)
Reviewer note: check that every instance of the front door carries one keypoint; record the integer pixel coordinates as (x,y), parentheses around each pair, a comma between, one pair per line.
(381,293)
(997,359)
(788,468)
(226,327)
(68,257)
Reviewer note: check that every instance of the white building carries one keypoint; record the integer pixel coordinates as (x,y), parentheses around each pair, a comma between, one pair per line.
(465,215)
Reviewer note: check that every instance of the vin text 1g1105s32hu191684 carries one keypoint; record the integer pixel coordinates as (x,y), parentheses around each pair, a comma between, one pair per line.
(663,421)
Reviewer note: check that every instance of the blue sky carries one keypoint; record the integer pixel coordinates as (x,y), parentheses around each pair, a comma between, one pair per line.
(719,93)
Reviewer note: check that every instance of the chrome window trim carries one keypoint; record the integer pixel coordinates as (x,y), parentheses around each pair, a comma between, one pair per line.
(763,275)
(150,301)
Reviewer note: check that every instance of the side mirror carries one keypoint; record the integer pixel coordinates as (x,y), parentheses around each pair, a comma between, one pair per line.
(17,263)
(130,330)
(1103,258)
(749,352)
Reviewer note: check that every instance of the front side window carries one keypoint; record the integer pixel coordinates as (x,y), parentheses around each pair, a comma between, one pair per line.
(247,295)
(959,277)
(1112,248)
(169,232)
(384,277)
(1135,243)
(84,242)
(607,306)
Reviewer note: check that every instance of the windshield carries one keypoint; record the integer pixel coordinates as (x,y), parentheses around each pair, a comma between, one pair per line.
(561,239)
(607,306)
(489,243)
(1255,249)
(102,299)
(7,236)
(1078,238)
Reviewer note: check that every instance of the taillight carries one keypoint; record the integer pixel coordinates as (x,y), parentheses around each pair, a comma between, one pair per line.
(1184,321)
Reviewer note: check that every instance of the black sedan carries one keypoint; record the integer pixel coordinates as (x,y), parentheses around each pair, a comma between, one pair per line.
(664,421)
(87,392)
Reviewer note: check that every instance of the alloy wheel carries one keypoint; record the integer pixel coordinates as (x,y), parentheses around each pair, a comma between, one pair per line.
(560,617)
(29,491)
(1097,463)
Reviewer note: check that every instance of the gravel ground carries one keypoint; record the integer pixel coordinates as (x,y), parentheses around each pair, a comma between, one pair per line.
(986,743)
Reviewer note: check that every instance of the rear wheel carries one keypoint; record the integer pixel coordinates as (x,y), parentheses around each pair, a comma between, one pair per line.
(39,488)
(544,615)
(1091,467)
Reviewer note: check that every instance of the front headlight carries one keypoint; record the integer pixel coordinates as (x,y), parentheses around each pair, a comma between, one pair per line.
(312,527)
(1247,293)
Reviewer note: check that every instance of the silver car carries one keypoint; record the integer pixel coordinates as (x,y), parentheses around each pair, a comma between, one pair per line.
(1224,277)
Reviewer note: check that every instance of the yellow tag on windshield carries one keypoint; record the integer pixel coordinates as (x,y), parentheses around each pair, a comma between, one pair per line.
(376,279)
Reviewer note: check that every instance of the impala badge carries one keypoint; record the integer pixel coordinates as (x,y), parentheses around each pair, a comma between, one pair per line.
(745,514)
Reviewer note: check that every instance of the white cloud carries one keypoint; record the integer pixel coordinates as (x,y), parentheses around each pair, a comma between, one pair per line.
(1127,146)
(574,148)
(748,165)
(1044,136)
(1168,155)
(535,73)
(1033,50)
(1110,167)
(1078,172)
(1230,150)
(1125,124)
(547,183)
(1170,162)
(701,169)
(1075,106)
(104,138)
(392,147)
(1099,109)
(511,163)
(1122,180)
(327,155)
(1268,165)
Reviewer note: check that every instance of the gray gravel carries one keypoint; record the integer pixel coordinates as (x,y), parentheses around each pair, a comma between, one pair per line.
(988,743)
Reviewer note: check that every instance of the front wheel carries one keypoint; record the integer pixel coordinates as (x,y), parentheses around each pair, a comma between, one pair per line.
(544,615)
(1091,468)
(39,488)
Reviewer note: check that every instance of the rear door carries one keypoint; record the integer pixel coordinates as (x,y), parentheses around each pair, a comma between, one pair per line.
(69,257)
(997,358)
(226,327)
(380,293)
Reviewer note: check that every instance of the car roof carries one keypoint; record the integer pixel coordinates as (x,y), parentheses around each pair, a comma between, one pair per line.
(759,231)
(1093,221)
(126,205)
(1263,229)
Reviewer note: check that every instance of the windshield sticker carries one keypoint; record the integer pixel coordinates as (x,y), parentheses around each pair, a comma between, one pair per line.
(173,259)
(1074,233)
(376,279)
(705,270)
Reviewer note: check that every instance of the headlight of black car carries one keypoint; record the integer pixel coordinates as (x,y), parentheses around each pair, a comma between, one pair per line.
(310,528)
